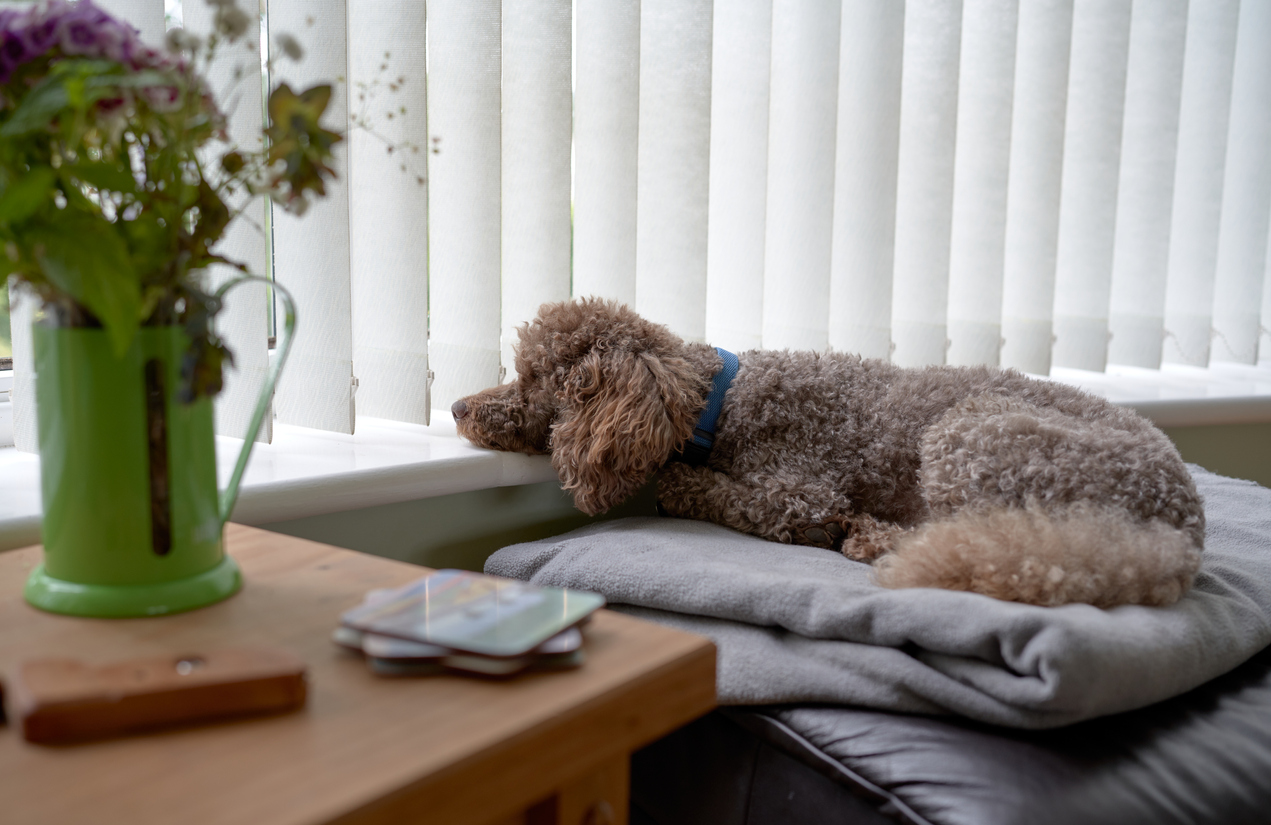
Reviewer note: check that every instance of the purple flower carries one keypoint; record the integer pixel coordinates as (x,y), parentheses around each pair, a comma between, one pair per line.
(118,46)
(41,36)
(111,104)
(147,58)
(59,27)
(77,29)
(13,52)
(80,34)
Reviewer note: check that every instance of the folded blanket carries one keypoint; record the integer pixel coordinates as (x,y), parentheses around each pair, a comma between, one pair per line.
(798,624)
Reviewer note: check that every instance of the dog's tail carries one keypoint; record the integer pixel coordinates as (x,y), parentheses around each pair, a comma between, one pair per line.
(1080,553)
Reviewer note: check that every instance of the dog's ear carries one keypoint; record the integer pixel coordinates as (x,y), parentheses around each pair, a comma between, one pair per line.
(621,414)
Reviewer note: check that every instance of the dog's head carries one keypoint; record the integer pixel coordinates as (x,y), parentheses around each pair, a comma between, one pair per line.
(608,394)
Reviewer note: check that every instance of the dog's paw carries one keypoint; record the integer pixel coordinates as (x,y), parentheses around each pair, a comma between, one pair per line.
(870,538)
(828,534)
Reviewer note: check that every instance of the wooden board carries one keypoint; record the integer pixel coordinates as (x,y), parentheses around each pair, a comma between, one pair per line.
(445,749)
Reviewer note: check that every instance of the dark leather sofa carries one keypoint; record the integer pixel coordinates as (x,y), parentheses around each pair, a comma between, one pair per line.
(1203,757)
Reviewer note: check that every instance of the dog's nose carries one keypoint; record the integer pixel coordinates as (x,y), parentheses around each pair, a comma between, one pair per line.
(458,410)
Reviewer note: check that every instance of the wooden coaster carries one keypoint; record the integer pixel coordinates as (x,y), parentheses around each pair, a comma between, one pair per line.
(65,700)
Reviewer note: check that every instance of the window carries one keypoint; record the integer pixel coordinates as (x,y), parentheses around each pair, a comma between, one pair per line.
(999,182)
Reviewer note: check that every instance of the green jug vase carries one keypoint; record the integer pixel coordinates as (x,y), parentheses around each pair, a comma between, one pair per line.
(133,521)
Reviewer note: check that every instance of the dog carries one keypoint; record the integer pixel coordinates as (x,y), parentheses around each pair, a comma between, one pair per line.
(964,478)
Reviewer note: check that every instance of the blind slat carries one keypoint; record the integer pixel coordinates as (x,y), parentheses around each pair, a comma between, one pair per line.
(741,61)
(799,223)
(1036,173)
(1154,78)
(537,123)
(145,15)
(674,164)
(978,233)
(388,219)
(1204,110)
(866,151)
(606,118)
(1246,204)
(1088,197)
(244,321)
(924,191)
(464,196)
(312,251)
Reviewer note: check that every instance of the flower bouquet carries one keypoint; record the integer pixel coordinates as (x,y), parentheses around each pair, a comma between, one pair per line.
(117,180)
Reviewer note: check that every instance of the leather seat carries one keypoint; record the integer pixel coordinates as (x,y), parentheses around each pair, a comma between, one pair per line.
(1203,757)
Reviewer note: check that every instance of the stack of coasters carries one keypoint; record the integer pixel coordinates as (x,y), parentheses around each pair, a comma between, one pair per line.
(388,656)
(455,620)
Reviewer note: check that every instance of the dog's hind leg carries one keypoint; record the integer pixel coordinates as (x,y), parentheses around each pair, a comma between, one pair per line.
(769,507)
(1083,552)
(1038,505)
(870,538)
(993,451)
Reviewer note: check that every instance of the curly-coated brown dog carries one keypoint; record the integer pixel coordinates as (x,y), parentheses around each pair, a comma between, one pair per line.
(967,478)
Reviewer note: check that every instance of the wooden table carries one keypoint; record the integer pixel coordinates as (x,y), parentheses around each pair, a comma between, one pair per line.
(541,748)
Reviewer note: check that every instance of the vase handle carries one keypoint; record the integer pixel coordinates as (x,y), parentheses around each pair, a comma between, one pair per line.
(230,494)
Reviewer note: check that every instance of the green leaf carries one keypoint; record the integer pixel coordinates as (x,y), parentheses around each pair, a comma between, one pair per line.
(24,196)
(84,67)
(38,108)
(152,246)
(136,80)
(66,84)
(109,176)
(88,261)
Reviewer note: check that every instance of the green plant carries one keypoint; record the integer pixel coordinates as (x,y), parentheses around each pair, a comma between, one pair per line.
(117,177)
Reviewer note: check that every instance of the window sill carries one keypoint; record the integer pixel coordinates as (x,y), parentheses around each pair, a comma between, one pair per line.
(306,472)
(6,409)
(1180,396)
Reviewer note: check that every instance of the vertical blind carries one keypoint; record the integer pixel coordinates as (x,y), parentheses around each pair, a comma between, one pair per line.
(799,219)
(1013,182)
(866,152)
(246,309)
(1035,170)
(1204,118)
(1149,151)
(977,240)
(388,210)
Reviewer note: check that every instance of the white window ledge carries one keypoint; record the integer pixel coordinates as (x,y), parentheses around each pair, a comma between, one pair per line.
(306,472)
(1179,396)
(6,409)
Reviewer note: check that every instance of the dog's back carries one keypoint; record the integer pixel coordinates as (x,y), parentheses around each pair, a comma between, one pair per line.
(1024,489)
(861,422)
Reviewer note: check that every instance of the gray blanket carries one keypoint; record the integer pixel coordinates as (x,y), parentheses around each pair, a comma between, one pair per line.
(797,624)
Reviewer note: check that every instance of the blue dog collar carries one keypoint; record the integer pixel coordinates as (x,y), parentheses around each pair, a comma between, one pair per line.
(698,448)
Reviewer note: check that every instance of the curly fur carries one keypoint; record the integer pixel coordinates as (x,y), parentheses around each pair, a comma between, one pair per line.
(967,478)
(1080,553)
(607,393)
